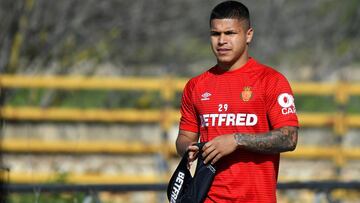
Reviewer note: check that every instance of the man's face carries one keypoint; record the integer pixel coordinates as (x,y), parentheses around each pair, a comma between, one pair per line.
(229,38)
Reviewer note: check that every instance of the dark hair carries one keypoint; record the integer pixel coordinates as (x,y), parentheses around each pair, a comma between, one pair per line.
(231,10)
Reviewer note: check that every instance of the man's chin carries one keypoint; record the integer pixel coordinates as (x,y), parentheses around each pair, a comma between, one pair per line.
(224,61)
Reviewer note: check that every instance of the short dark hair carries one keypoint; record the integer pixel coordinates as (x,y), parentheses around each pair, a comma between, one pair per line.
(231,10)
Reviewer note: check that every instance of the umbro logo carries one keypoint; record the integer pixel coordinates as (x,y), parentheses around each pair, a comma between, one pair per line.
(205,96)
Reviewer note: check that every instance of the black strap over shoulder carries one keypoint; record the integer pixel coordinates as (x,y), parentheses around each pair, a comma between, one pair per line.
(183,187)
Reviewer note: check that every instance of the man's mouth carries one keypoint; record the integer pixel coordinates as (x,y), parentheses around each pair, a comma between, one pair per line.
(222,51)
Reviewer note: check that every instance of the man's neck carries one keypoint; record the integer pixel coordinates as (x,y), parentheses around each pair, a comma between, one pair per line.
(235,65)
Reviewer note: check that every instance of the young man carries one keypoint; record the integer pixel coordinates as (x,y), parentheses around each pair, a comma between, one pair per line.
(244,111)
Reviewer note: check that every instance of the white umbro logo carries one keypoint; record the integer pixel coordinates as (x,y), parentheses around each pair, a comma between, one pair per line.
(205,96)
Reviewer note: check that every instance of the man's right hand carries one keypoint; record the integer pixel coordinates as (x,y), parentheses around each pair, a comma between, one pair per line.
(193,153)
(185,142)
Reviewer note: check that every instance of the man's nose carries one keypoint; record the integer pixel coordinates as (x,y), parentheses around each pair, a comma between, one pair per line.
(222,39)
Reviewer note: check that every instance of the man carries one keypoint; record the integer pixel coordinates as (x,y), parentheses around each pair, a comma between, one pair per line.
(244,111)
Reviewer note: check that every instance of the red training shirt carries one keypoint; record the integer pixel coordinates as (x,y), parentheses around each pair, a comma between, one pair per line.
(251,99)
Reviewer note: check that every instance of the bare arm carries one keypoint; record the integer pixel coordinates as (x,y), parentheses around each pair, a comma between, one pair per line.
(276,141)
(185,140)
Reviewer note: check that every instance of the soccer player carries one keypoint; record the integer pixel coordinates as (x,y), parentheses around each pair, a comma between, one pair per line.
(243,109)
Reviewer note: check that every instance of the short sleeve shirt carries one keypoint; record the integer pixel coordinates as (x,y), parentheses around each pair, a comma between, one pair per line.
(251,99)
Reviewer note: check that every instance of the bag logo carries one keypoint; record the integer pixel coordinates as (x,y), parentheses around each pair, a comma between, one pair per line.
(246,94)
(177,186)
(212,169)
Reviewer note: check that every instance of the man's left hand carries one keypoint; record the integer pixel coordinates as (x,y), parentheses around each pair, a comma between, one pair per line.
(219,147)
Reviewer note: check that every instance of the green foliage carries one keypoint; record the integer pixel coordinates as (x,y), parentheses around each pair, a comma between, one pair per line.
(82,98)
(45,197)
(343,47)
(353,105)
(24,97)
(112,99)
(86,99)
(76,197)
(312,103)
(138,34)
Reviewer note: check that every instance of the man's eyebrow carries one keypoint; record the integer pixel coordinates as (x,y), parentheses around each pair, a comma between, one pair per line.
(225,31)
(230,31)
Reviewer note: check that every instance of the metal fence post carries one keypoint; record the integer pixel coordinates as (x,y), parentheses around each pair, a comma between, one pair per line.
(340,122)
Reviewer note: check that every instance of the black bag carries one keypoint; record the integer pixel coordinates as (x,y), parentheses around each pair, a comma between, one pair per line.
(183,188)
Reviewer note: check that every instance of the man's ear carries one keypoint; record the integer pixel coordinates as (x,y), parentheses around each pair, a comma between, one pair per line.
(249,35)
